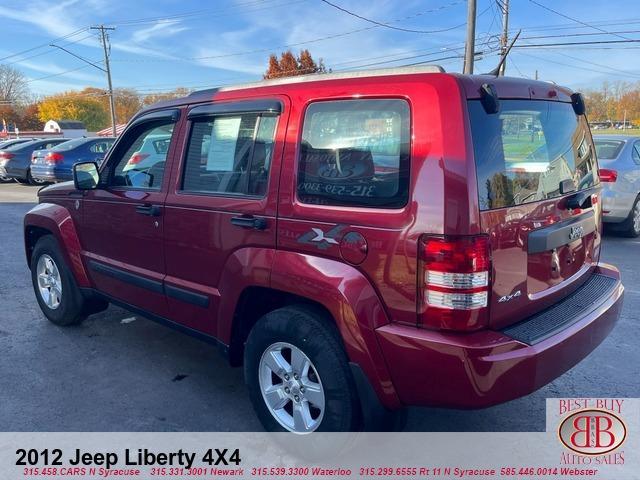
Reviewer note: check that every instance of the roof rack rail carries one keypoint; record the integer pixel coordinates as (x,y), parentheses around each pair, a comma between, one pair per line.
(330,76)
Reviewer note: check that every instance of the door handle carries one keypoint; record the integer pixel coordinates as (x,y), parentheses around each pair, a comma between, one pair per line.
(150,210)
(256,223)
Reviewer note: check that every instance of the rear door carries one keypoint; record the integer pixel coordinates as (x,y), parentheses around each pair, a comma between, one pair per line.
(221,211)
(535,163)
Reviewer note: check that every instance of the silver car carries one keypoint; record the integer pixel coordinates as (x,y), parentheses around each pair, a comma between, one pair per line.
(619,161)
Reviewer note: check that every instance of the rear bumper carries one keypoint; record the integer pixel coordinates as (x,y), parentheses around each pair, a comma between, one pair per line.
(50,174)
(486,368)
(616,205)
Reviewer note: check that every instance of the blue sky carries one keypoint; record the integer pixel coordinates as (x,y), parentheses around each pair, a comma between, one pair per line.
(162,44)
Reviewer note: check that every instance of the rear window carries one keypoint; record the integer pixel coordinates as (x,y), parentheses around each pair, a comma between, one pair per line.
(608,149)
(355,153)
(69,145)
(527,149)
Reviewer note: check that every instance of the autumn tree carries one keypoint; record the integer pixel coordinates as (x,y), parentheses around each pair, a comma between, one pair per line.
(613,102)
(288,65)
(28,117)
(74,106)
(158,97)
(127,101)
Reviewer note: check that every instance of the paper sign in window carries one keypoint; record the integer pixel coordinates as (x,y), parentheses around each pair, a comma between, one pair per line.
(222,151)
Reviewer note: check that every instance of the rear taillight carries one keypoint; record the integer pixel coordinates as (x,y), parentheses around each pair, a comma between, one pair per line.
(6,156)
(53,157)
(454,282)
(137,158)
(608,175)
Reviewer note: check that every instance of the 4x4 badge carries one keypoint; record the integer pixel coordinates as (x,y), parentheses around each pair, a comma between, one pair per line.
(576,232)
(321,239)
(506,298)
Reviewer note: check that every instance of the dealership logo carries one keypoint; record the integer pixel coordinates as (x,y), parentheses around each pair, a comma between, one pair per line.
(592,432)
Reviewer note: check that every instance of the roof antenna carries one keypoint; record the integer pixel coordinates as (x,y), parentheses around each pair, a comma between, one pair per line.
(496,71)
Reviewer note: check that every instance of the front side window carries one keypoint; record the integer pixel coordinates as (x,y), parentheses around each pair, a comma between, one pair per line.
(143,163)
(526,150)
(230,154)
(355,153)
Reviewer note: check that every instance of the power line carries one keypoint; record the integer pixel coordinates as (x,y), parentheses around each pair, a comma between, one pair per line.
(565,35)
(388,25)
(595,42)
(37,47)
(573,19)
(46,52)
(203,12)
(291,45)
(56,74)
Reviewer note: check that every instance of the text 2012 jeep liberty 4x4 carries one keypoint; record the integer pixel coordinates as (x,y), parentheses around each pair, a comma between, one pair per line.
(359,242)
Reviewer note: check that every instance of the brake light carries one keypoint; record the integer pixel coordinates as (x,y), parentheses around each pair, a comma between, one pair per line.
(454,284)
(53,157)
(137,158)
(608,175)
(6,155)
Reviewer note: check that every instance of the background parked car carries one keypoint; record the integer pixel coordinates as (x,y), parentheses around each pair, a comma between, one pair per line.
(56,163)
(619,159)
(15,161)
(6,144)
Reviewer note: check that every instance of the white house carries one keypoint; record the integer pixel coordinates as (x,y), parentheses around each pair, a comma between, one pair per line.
(68,128)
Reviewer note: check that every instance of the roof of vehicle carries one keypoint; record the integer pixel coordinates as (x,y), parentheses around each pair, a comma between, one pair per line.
(624,138)
(79,142)
(71,124)
(26,145)
(507,87)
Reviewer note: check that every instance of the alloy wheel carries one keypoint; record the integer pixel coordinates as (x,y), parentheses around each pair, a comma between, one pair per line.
(291,388)
(636,218)
(49,282)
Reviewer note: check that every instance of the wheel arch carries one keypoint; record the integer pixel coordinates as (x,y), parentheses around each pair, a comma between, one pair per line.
(55,220)
(338,291)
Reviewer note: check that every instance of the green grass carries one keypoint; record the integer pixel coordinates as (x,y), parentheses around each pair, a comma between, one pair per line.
(613,131)
(521,146)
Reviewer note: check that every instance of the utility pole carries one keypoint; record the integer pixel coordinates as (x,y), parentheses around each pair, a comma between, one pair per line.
(536,74)
(470,48)
(104,38)
(504,39)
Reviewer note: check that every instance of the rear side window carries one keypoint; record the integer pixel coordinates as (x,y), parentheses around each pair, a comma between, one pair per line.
(355,153)
(636,152)
(608,149)
(527,149)
(230,154)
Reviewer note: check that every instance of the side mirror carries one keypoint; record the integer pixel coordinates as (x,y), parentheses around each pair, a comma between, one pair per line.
(86,175)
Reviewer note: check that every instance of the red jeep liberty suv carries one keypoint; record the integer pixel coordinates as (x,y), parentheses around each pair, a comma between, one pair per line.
(359,241)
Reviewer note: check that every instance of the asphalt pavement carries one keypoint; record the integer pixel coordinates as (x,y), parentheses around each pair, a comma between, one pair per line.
(121,372)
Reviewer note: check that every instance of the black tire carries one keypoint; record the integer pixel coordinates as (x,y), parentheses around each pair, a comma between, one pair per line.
(72,308)
(629,228)
(308,329)
(32,181)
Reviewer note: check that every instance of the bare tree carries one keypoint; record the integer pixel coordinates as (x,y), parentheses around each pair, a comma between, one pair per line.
(13,85)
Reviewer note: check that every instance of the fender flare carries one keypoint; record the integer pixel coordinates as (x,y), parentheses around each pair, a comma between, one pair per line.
(352,301)
(57,220)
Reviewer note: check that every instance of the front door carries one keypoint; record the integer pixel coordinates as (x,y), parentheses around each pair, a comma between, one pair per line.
(123,221)
(220,214)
